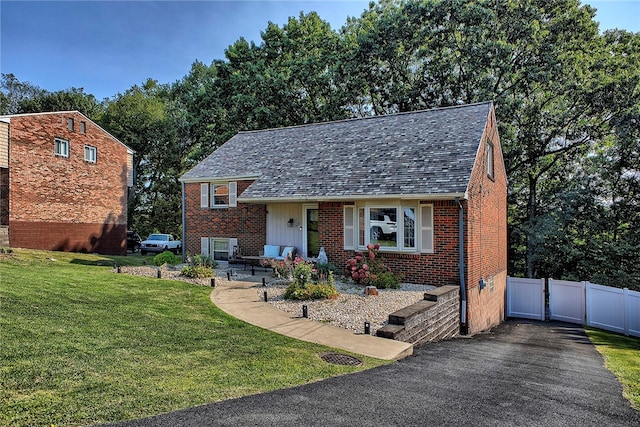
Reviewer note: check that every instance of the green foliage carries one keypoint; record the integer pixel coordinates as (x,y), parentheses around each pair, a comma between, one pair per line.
(307,286)
(385,280)
(302,273)
(197,271)
(166,257)
(566,102)
(199,260)
(199,267)
(369,269)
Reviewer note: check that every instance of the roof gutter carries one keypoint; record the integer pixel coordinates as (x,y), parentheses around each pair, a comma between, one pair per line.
(353,197)
(184,225)
(461,266)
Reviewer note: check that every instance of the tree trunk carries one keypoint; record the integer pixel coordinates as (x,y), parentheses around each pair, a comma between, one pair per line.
(531,220)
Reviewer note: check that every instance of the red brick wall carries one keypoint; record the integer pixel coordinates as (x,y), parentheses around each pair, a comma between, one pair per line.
(486,239)
(246,222)
(71,203)
(438,268)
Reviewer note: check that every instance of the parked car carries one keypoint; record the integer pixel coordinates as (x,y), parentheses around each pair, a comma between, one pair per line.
(133,241)
(382,227)
(159,243)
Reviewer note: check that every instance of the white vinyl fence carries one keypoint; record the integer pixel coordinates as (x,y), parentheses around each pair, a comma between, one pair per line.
(525,298)
(603,307)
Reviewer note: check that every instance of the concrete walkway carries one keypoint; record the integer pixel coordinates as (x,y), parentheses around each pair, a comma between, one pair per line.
(242,299)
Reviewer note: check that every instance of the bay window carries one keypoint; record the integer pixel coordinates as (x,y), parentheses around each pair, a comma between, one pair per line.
(404,227)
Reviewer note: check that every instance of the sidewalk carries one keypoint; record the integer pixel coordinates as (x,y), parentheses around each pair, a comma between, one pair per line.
(242,300)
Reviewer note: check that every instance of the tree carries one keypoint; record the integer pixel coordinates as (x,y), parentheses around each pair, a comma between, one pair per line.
(145,119)
(13,92)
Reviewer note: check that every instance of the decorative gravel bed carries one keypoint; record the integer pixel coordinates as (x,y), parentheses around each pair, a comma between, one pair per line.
(349,311)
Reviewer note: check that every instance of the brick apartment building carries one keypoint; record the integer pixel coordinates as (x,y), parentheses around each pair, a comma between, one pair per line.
(429,186)
(64,184)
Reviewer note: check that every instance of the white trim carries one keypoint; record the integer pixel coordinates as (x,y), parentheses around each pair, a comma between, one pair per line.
(204,195)
(233,194)
(93,154)
(61,142)
(352,197)
(204,246)
(219,179)
(352,242)
(428,229)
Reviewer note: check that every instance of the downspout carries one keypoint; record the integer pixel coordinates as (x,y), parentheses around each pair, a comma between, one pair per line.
(463,288)
(184,220)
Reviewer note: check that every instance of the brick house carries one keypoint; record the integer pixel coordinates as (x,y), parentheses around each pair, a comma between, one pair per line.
(429,186)
(64,184)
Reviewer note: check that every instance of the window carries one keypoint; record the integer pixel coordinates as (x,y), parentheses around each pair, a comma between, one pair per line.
(90,154)
(218,195)
(216,248)
(392,227)
(70,124)
(61,147)
(83,127)
(489,159)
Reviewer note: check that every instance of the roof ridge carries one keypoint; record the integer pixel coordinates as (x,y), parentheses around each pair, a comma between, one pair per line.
(378,116)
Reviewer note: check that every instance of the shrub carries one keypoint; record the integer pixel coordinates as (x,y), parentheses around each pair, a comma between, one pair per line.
(385,280)
(369,269)
(196,271)
(202,261)
(310,291)
(303,287)
(166,257)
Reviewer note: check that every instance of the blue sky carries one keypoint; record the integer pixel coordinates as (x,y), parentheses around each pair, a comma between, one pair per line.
(106,47)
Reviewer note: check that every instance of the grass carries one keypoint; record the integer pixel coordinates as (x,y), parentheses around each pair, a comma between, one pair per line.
(83,345)
(622,357)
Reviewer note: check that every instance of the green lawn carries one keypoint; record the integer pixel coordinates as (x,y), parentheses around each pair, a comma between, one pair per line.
(622,357)
(81,344)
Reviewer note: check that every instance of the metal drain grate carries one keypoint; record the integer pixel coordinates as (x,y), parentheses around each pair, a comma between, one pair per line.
(341,359)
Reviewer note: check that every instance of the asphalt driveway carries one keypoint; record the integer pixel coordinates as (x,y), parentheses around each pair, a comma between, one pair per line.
(520,374)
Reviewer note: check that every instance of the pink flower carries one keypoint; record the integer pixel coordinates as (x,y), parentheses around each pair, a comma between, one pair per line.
(370,246)
(372,255)
(377,246)
(355,275)
(365,267)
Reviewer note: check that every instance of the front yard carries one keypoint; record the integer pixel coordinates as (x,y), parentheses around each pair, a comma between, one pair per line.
(82,345)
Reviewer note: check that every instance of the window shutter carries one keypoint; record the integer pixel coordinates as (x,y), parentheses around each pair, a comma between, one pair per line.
(233,194)
(349,228)
(204,195)
(204,246)
(426,228)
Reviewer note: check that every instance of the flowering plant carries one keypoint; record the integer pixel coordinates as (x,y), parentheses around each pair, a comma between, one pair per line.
(369,269)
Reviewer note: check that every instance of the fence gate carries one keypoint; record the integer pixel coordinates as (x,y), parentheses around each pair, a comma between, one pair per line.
(525,298)
(567,301)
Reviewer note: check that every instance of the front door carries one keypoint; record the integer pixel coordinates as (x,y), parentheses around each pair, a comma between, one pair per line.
(311,245)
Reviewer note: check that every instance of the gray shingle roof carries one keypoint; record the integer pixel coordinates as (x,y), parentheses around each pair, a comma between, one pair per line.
(429,152)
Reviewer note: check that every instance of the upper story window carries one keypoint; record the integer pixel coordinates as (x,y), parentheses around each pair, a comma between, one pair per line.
(83,127)
(70,124)
(90,154)
(61,147)
(394,228)
(218,195)
(490,158)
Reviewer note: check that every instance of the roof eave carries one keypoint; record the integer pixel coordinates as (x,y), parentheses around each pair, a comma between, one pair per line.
(290,199)
(189,180)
